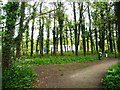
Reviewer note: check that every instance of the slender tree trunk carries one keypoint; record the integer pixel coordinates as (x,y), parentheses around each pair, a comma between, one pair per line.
(114,43)
(41,33)
(19,38)
(116,34)
(60,20)
(41,38)
(96,37)
(27,39)
(61,48)
(37,43)
(54,38)
(57,39)
(83,39)
(32,41)
(91,40)
(66,37)
(118,23)
(109,28)
(88,44)
(102,33)
(32,32)
(102,39)
(110,38)
(48,35)
(64,43)
(71,40)
(80,21)
(75,30)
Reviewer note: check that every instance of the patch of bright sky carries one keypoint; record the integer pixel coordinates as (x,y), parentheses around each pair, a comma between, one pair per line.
(68,10)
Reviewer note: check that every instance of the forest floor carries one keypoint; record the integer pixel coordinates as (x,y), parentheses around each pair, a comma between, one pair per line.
(72,75)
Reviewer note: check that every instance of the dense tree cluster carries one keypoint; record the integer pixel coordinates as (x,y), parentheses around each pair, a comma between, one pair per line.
(92,27)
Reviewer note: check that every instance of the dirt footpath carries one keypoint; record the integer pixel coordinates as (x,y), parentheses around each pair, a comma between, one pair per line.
(72,75)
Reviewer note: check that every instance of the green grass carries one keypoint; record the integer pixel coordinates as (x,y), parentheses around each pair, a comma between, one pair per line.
(60,59)
(68,57)
(111,80)
(18,76)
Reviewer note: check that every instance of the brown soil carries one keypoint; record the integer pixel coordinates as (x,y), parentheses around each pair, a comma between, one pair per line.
(72,75)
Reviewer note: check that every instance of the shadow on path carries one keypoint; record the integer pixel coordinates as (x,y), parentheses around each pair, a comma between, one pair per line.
(84,75)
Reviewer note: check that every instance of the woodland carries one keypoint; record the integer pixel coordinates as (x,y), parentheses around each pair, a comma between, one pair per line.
(55,33)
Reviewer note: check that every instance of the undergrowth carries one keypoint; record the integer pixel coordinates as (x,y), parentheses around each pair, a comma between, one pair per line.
(18,76)
(111,80)
(60,59)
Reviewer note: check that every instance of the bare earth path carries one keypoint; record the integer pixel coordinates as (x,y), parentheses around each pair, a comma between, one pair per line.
(73,75)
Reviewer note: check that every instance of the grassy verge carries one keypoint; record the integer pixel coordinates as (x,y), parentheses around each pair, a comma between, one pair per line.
(111,81)
(60,59)
(18,76)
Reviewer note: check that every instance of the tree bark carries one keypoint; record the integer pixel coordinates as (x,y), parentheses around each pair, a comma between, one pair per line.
(32,33)
(91,40)
(83,39)
(54,38)
(19,38)
(40,33)
(75,30)
(118,23)
(96,36)
(48,35)
(60,20)
(7,44)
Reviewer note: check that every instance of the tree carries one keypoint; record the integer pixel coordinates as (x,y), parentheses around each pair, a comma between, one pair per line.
(118,22)
(60,21)
(66,35)
(48,35)
(80,21)
(71,35)
(11,9)
(54,38)
(75,30)
(21,29)
(41,31)
(109,29)
(90,31)
(83,37)
(32,32)
(27,39)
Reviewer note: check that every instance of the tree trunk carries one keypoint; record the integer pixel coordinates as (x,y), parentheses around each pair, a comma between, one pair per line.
(88,43)
(27,39)
(71,40)
(96,36)
(66,34)
(19,38)
(80,21)
(41,38)
(60,20)
(48,35)
(57,39)
(32,33)
(40,34)
(37,43)
(83,39)
(75,30)
(7,43)
(64,42)
(102,32)
(54,38)
(91,40)
(110,38)
(118,23)
(109,28)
